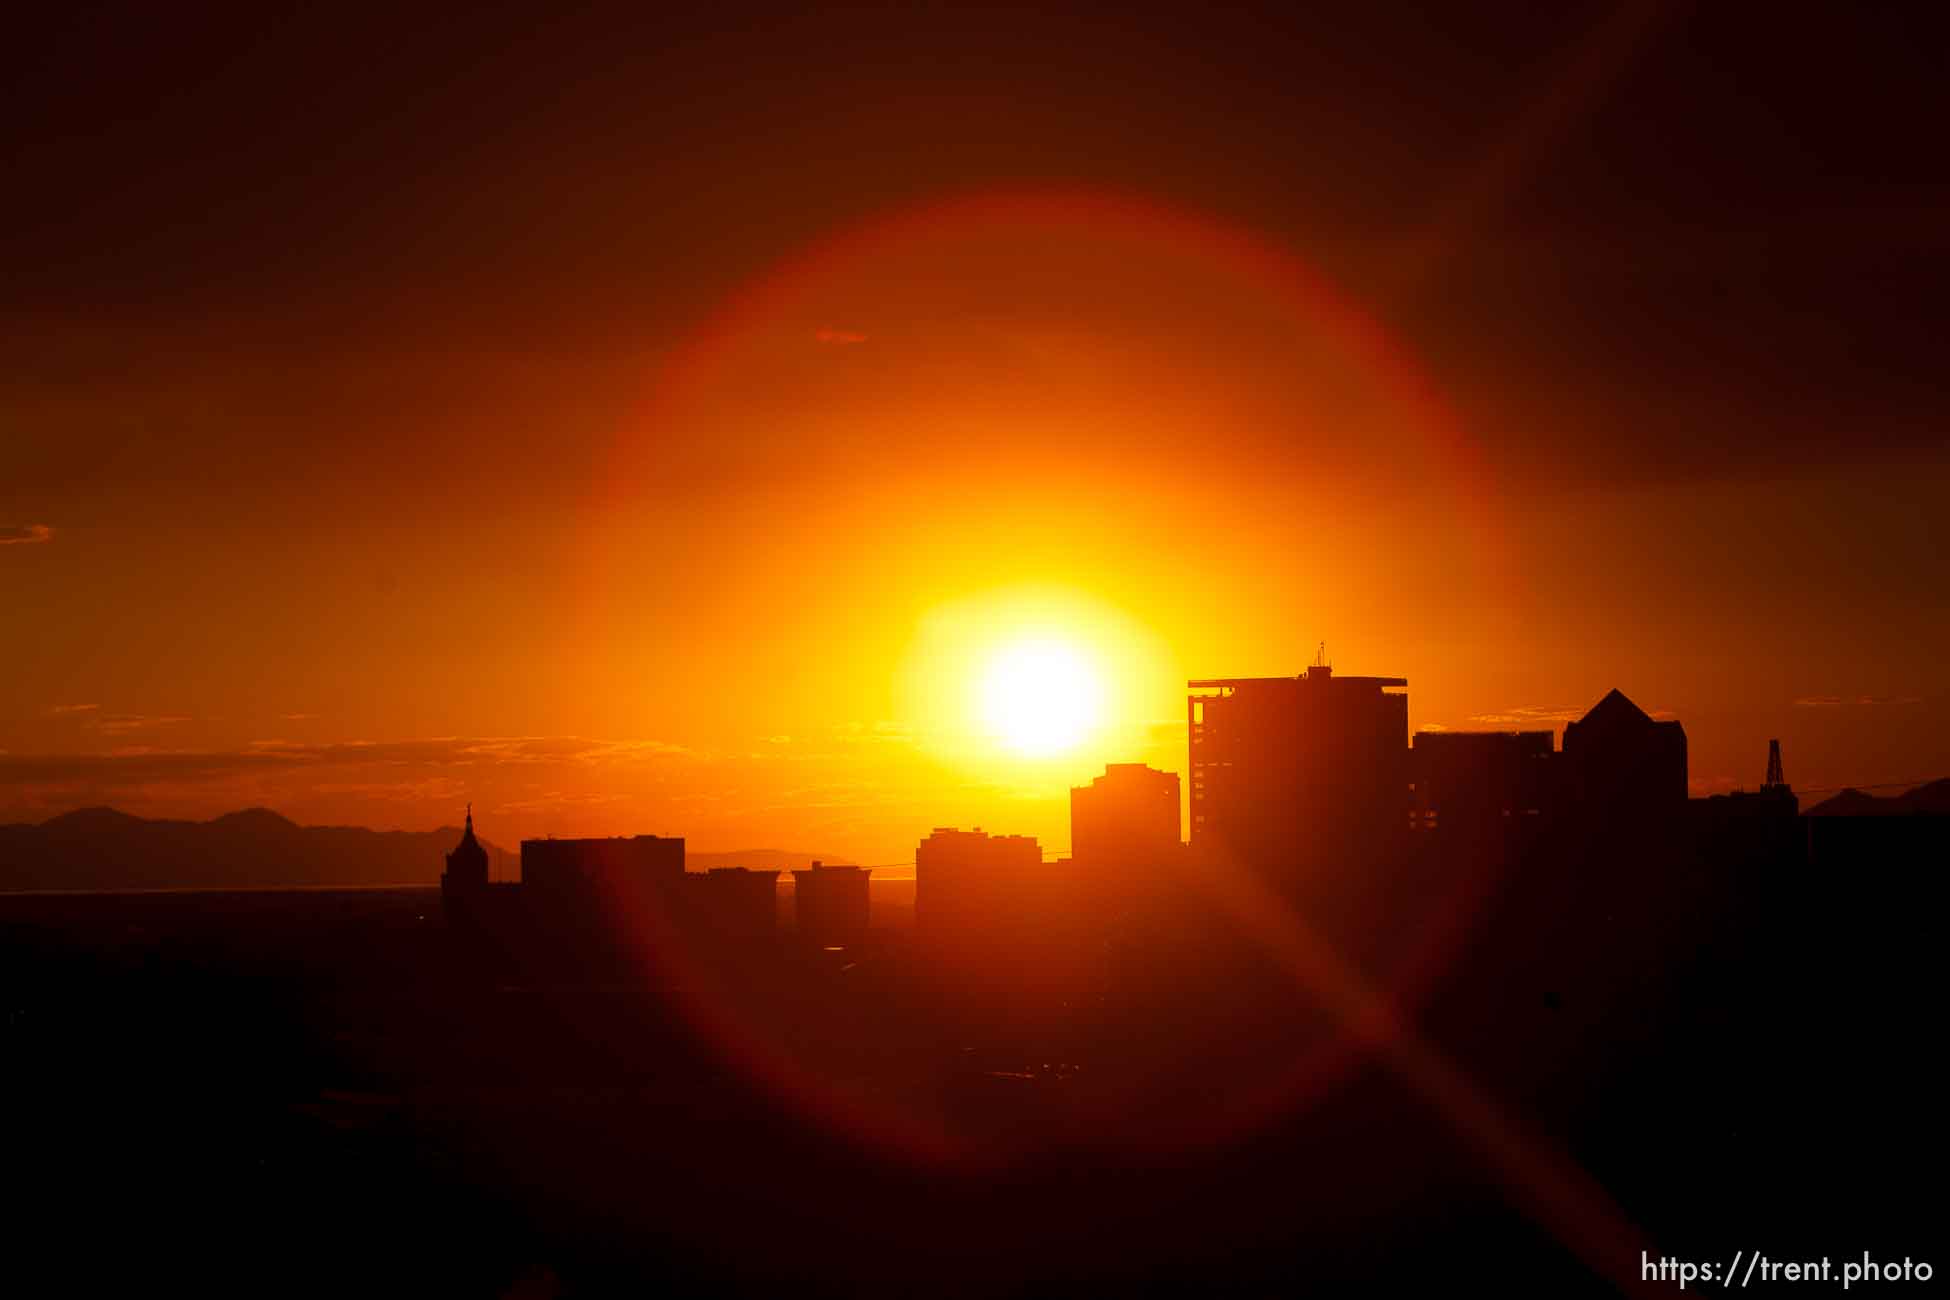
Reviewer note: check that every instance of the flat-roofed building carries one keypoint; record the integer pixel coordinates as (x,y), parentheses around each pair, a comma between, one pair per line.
(1469,778)
(1295,774)
(1127,817)
(735,903)
(832,905)
(972,885)
(576,875)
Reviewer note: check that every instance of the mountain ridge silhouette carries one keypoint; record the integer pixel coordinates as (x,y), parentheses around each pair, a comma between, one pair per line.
(1932,798)
(103,848)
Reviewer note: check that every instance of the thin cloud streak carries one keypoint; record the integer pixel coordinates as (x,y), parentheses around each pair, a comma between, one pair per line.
(139,765)
(121,724)
(1529,715)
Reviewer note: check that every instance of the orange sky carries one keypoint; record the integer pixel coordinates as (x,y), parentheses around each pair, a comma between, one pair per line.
(712,538)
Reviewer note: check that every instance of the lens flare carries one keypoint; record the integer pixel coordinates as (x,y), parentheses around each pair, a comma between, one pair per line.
(1041,698)
(1035,656)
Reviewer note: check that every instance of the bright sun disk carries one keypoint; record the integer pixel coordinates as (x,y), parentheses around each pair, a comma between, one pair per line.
(1041,697)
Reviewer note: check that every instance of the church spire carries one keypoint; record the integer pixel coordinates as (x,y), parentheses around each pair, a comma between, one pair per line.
(468,863)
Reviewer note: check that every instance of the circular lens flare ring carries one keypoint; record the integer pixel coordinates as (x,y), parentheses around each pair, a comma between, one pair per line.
(939,678)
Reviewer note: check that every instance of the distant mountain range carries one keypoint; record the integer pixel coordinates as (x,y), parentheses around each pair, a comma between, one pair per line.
(1932,799)
(103,849)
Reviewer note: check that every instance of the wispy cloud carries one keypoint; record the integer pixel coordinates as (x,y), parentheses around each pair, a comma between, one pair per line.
(873,733)
(822,795)
(442,788)
(556,801)
(827,334)
(1862,701)
(1818,702)
(296,717)
(24,534)
(560,749)
(1432,726)
(131,765)
(1527,716)
(135,765)
(73,708)
(121,724)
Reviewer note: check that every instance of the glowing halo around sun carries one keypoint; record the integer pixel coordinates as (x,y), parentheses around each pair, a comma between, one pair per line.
(1007,684)
(1041,697)
(1033,687)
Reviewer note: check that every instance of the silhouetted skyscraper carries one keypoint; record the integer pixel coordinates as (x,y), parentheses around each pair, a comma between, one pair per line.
(833,905)
(972,885)
(734,903)
(599,875)
(1467,778)
(1128,817)
(1621,763)
(1296,772)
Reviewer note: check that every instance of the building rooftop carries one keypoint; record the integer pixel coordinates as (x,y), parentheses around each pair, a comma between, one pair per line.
(1316,674)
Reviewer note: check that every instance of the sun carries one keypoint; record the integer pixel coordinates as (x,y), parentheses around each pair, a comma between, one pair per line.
(1041,697)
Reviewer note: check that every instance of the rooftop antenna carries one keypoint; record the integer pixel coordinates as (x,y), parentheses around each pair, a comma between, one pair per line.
(1776,779)
(1320,656)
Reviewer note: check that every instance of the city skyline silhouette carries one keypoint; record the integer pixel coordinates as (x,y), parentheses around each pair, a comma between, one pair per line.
(1482,927)
(331,476)
(410,866)
(973,650)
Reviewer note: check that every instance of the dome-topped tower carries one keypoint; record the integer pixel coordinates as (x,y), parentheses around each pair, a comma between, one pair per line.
(467,865)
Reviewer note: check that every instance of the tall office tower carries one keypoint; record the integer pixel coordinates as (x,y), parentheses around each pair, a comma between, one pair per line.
(1294,776)
(1126,818)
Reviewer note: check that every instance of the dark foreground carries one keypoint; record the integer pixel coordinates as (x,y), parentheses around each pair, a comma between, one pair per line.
(321,1092)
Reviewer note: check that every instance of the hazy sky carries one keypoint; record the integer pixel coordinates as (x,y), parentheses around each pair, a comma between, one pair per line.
(657,423)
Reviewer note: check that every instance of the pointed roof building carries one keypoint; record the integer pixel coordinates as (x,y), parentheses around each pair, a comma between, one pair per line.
(1613,712)
(468,863)
(1620,755)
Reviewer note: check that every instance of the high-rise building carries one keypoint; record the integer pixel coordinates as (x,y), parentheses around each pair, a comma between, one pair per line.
(562,877)
(735,903)
(1126,818)
(1295,773)
(1621,763)
(833,905)
(1468,778)
(973,885)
